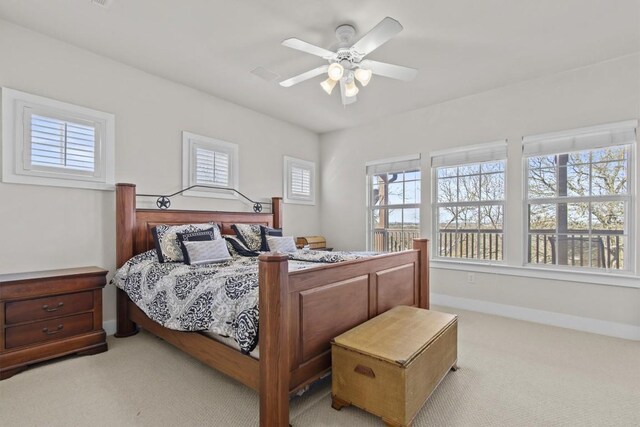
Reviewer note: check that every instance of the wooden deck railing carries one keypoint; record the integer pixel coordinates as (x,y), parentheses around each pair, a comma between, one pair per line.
(393,240)
(602,250)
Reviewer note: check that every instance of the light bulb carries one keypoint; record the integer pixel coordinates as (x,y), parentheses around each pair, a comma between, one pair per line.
(350,89)
(335,71)
(363,76)
(328,85)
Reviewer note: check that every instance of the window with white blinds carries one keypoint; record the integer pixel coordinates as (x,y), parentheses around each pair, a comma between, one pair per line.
(212,167)
(469,202)
(47,142)
(61,144)
(209,162)
(579,198)
(299,181)
(393,203)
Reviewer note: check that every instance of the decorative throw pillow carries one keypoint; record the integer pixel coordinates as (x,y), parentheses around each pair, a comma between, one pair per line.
(166,239)
(281,244)
(194,236)
(236,247)
(249,235)
(206,251)
(267,231)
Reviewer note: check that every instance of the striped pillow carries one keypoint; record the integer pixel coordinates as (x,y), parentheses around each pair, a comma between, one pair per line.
(281,244)
(207,251)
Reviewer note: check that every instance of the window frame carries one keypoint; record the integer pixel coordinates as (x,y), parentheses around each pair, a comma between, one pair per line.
(17,111)
(478,154)
(289,163)
(190,143)
(630,200)
(370,208)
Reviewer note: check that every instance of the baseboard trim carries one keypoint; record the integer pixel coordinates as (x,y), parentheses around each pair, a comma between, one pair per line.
(109,327)
(585,324)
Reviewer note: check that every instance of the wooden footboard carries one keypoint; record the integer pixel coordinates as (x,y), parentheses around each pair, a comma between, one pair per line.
(308,308)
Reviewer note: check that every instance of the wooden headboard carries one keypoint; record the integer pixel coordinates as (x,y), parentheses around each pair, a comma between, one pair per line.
(133,226)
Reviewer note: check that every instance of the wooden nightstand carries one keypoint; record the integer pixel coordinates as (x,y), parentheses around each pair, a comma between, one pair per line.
(48,314)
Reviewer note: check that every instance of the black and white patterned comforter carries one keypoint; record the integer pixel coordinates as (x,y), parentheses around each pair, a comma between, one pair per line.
(221,298)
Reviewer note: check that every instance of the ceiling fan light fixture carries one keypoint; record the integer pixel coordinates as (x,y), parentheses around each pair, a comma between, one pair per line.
(328,85)
(350,89)
(363,76)
(335,71)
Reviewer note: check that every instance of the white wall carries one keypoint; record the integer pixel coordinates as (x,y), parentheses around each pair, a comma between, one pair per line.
(601,93)
(48,227)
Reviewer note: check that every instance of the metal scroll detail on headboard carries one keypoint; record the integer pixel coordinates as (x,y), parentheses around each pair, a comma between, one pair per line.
(164,200)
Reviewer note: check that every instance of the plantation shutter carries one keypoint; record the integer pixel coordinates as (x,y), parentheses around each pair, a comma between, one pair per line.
(212,167)
(56,143)
(300,181)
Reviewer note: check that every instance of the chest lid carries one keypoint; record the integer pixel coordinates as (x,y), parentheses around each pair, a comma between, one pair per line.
(397,335)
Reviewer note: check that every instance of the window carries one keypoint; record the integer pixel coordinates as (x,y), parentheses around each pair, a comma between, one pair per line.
(47,142)
(469,202)
(299,181)
(578,197)
(393,203)
(209,162)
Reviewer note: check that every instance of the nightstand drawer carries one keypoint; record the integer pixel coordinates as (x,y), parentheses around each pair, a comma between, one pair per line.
(47,330)
(44,308)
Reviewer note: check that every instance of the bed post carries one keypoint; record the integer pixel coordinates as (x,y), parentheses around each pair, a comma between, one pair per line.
(276,209)
(125,224)
(423,246)
(274,339)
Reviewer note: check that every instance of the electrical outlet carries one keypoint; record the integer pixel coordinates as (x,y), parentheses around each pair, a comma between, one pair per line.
(471,278)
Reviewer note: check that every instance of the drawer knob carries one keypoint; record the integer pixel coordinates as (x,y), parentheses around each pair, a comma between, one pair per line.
(51,309)
(48,332)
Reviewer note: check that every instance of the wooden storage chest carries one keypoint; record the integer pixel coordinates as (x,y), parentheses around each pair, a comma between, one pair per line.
(314,242)
(390,365)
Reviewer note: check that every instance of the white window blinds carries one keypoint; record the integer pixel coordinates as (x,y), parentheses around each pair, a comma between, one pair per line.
(393,165)
(471,154)
(590,138)
(209,162)
(299,181)
(212,167)
(56,143)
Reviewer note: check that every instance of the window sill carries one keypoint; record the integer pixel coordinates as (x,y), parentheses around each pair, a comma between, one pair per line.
(626,280)
(298,201)
(212,194)
(11,178)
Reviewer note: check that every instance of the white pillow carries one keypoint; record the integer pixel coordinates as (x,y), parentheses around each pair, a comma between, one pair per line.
(281,244)
(207,251)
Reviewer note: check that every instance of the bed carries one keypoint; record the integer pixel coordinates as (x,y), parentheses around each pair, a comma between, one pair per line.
(300,311)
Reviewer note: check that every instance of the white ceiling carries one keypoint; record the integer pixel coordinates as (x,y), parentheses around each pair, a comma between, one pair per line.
(461,47)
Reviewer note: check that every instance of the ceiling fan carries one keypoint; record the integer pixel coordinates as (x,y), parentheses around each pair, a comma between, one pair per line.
(347,64)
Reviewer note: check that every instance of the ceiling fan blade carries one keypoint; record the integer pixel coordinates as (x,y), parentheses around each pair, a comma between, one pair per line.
(303,46)
(346,100)
(390,70)
(304,76)
(379,35)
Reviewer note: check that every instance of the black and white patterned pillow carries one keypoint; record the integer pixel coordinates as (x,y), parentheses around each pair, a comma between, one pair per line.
(166,239)
(267,231)
(206,251)
(250,235)
(194,236)
(236,247)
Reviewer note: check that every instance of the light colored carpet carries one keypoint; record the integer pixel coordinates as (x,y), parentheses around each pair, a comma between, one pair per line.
(512,373)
